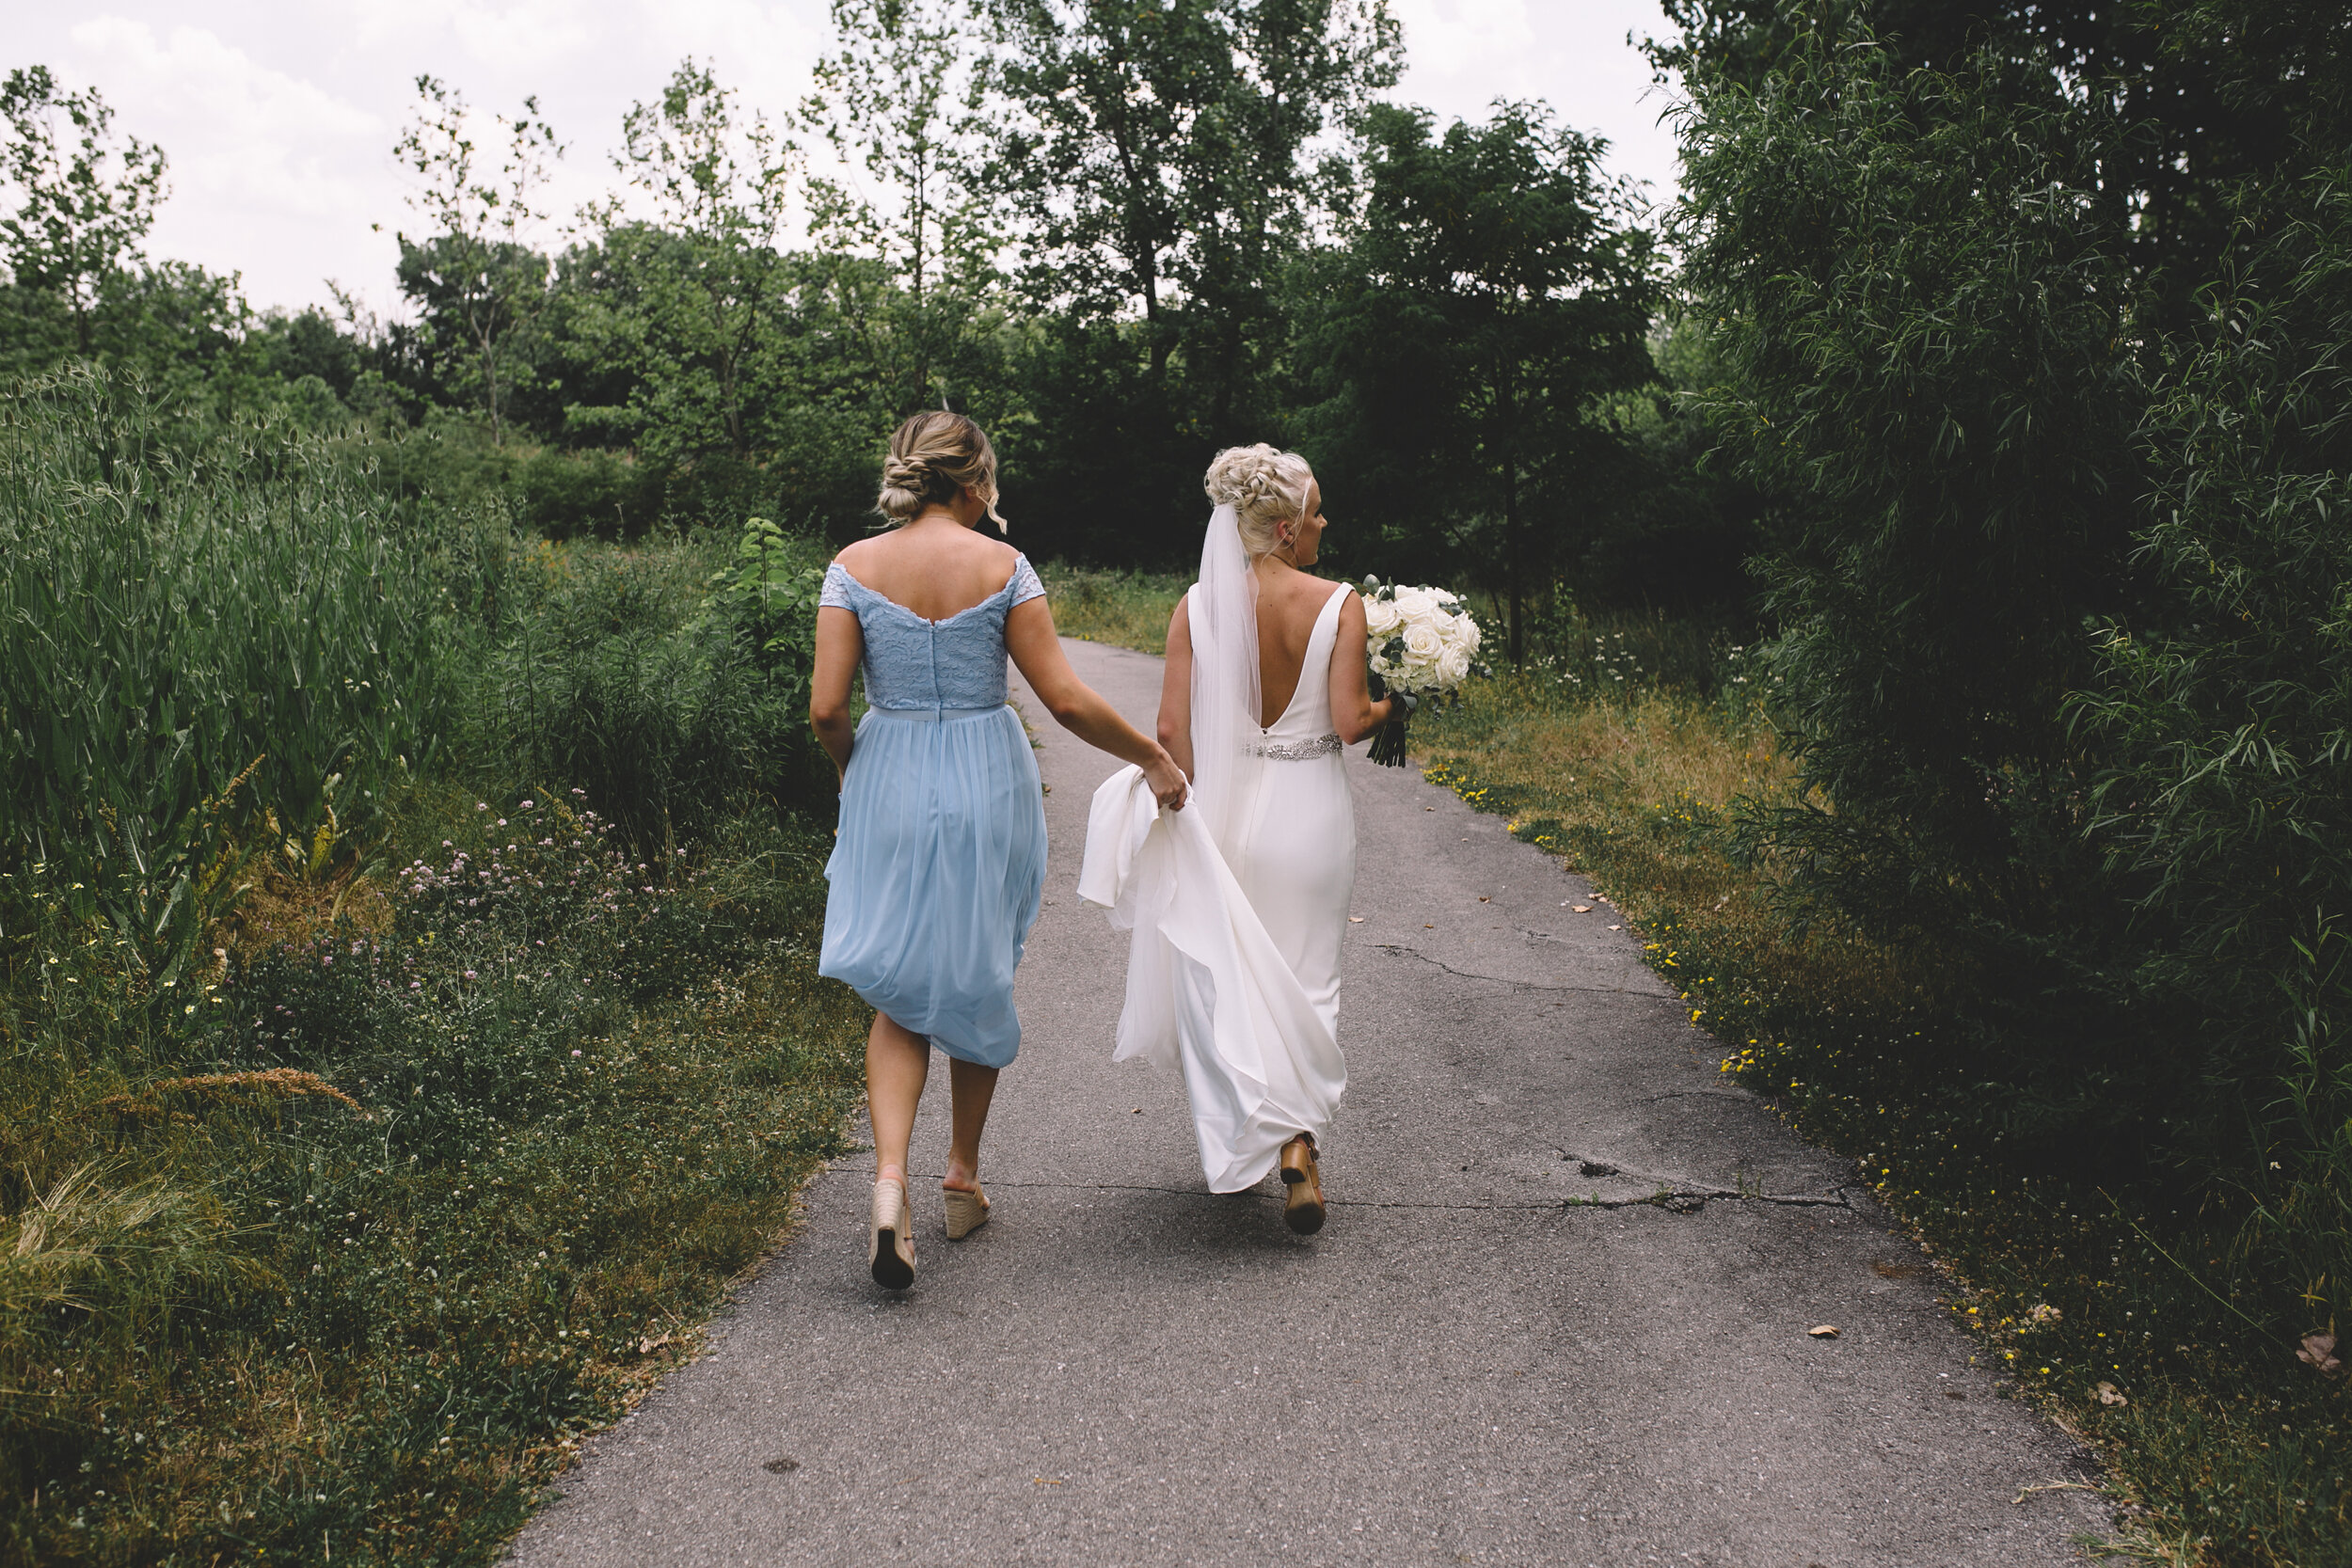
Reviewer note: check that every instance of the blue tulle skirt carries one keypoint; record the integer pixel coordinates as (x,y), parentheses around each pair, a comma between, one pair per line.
(937,874)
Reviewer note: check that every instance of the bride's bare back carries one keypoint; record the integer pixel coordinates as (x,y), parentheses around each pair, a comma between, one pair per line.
(1289,603)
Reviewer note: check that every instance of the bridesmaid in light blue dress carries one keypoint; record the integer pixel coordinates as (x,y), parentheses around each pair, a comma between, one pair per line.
(940,860)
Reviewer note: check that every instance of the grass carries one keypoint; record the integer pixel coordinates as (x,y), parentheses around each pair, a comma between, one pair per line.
(2126,1313)
(1127,610)
(336,1259)
(377,1136)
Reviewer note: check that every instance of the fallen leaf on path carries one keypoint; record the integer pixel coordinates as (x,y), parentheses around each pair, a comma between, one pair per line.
(1043,1480)
(2110,1394)
(2319,1353)
(1582,908)
(1355,920)
(1823,1331)
(647,1346)
(781,1467)
(1616,928)
(1484,899)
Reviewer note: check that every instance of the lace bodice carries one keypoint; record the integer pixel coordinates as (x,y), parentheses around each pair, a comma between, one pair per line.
(910,662)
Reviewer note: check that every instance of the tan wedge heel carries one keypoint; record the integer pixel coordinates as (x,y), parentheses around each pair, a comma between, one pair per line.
(1303,1211)
(966,1212)
(890,1244)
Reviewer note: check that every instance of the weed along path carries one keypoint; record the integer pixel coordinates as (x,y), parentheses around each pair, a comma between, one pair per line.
(1506,1347)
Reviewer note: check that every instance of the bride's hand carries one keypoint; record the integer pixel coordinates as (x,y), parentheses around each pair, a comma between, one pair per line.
(1166,781)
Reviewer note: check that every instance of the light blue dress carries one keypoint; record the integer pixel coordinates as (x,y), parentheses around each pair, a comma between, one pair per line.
(941,859)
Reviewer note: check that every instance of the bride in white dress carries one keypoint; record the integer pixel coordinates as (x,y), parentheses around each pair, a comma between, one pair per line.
(1238,905)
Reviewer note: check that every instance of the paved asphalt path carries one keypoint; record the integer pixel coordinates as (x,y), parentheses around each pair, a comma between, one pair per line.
(1472,1363)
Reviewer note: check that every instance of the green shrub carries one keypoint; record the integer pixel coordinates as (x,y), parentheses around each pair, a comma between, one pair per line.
(670,692)
(2226,719)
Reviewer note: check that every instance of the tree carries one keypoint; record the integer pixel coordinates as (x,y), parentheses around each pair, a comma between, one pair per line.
(474,271)
(82,208)
(1156,157)
(1495,291)
(2197,100)
(720,186)
(894,102)
(1925,316)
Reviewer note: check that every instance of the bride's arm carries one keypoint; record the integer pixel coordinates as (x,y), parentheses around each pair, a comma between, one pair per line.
(1077,706)
(1354,714)
(1176,690)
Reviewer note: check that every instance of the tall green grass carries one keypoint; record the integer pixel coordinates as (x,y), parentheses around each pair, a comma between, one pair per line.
(198,648)
(331,1214)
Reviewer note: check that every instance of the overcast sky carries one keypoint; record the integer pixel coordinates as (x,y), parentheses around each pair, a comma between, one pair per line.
(279,115)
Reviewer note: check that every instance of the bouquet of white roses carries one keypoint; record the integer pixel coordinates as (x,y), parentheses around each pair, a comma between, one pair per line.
(1424,645)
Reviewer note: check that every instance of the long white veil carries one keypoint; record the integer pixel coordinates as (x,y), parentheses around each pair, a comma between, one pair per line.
(1225,695)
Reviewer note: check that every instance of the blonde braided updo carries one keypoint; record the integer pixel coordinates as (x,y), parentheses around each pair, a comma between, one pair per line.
(1264,487)
(934,457)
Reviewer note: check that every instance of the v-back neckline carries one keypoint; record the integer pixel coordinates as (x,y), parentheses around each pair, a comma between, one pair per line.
(1301,684)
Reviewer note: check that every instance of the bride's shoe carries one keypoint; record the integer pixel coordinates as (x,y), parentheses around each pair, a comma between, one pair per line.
(966,1212)
(1303,1214)
(890,1244)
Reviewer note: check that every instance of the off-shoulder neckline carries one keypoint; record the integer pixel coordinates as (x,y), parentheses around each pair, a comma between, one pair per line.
(1019,561)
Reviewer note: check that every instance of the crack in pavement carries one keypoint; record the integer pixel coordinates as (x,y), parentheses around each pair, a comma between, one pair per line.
(1506,980)
(1665,1199)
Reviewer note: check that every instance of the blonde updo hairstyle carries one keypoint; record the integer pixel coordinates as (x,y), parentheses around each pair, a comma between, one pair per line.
(933,456)
(1264,487)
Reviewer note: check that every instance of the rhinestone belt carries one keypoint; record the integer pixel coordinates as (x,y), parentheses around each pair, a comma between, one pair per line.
(1297,750)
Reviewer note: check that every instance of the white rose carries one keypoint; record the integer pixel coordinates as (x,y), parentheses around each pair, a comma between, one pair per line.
(1466,632)
(1422,641)
(1415,603)
(1453,666)
(1381,618)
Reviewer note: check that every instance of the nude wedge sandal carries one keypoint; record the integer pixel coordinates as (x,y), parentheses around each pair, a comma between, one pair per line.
(890,1244)
(1303,1211)
(966,1212)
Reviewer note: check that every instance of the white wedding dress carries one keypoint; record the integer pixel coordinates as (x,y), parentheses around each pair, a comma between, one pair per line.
(1238,903)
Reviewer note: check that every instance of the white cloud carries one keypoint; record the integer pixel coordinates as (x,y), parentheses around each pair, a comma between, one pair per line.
(1462,55)
(1450,38)
(258,159)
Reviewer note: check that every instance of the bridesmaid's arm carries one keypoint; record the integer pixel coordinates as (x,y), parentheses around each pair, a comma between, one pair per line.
(839,643)
(1176,690)
(1354,714)
(1078,708)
